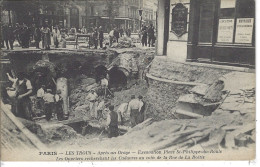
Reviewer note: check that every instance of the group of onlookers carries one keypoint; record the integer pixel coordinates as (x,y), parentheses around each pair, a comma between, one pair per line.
(147,35)
(26,34)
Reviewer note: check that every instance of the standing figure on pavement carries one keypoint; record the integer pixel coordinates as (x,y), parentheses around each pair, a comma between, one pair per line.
(112,122)
(92,97)
(101,37)
(116,34)
(150,32)
(25,36)
(22,104)
(134,109)
(83,30)
(56,37)
(46,33)
(144,36)
(95,37)
(111,37)
(37,36)
(8,33)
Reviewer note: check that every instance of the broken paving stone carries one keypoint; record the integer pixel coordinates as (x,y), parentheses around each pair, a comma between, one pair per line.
(236,81)
(241,140)
(189,98)
(200,89)
(214,92)
(241,107)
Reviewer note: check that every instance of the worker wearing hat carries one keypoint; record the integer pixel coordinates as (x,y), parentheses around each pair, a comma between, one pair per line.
(92,98)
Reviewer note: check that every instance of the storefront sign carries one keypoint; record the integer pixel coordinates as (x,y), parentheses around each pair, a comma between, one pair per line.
(244,30)
(179,19)
(227,4)
(225,30)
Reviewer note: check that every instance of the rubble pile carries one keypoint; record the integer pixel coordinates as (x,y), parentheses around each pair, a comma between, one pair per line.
(230,126)
(78,103)
(123,42)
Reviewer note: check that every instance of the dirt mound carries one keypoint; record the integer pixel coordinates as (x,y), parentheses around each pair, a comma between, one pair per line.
(123,42)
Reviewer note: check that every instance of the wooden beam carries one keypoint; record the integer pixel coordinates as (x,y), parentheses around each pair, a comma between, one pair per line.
(33,139)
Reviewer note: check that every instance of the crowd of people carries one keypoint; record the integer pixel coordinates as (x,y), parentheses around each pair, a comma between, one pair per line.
(56,35)
(25,35)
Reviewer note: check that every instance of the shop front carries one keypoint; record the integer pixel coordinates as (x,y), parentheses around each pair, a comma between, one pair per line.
(213,31)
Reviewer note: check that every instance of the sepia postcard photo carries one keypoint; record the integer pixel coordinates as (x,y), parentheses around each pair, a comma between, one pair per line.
(128,80)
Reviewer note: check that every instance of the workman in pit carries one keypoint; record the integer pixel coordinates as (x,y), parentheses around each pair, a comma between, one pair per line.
(112,122)
(92,97)
(134,108)
(21,106)
(58,101)
(48,104)
(104,86)
(121,112)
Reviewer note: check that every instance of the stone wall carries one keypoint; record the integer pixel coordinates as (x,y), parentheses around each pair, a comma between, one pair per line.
(67,62)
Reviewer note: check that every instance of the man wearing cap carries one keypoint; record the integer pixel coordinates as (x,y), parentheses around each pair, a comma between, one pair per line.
(112,122)
(92,98)
(134,109)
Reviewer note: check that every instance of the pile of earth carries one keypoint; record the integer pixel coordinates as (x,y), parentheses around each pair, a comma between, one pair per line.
(124,42)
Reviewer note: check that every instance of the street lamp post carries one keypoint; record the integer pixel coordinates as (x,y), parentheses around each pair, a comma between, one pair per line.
(141,19)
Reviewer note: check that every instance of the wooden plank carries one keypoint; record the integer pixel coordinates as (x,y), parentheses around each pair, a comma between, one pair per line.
(33,139)
(187,113)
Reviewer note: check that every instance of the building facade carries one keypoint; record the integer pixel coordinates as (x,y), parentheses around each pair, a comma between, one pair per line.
(214,31)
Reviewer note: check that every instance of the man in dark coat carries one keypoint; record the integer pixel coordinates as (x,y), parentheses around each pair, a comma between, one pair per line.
(150,35)
(25,35)
(112,122)
(144,36)
(95,37)
(141,113)
(22,104)
(101,37)
(8,33)
(116,34)
(37,36)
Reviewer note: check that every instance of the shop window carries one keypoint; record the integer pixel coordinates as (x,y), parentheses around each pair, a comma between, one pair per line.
(236,21)
(206,22)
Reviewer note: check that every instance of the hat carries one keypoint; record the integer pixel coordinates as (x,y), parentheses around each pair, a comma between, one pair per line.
(140,97)
(111,107)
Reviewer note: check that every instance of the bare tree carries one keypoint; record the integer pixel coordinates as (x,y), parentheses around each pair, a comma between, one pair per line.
(112,11)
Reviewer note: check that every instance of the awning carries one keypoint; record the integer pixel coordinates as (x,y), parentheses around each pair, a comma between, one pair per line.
(118,18)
